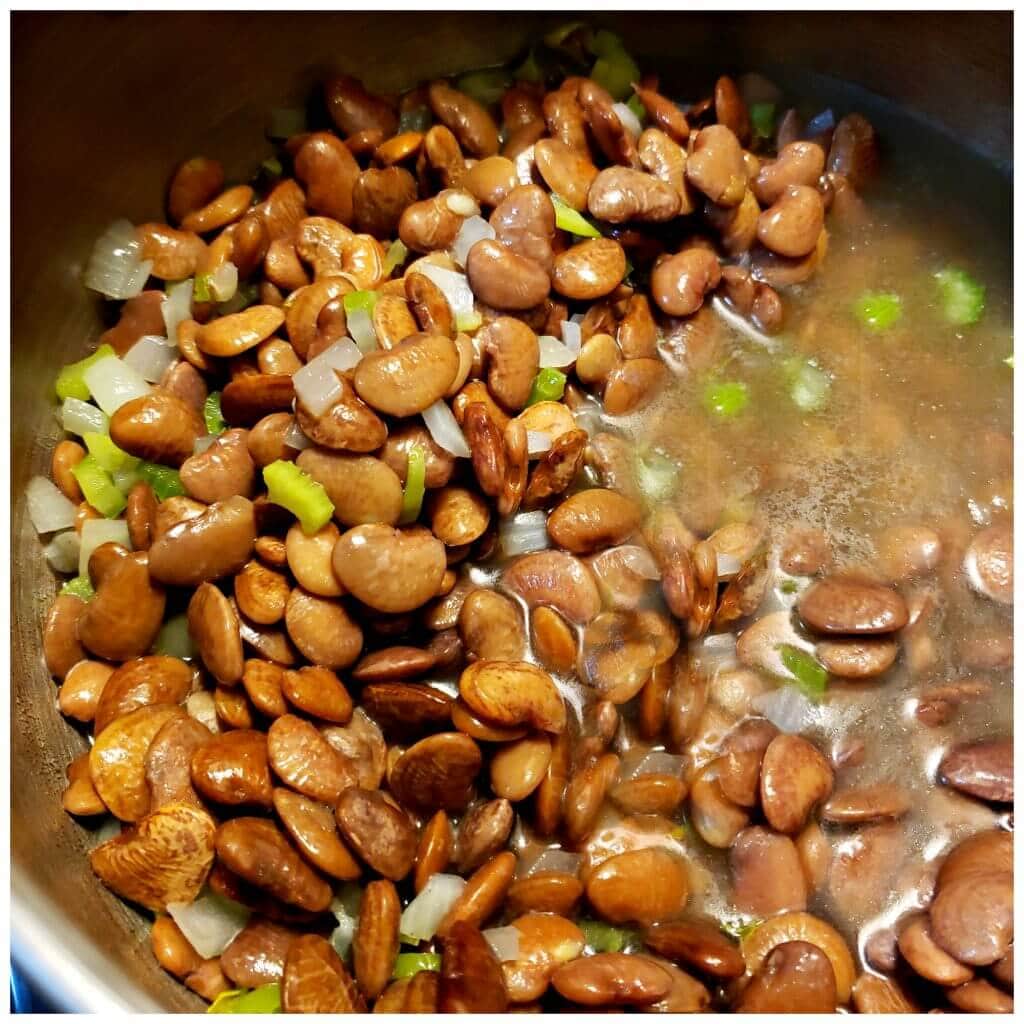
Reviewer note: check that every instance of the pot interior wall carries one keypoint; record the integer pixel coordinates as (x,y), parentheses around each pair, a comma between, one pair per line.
(106,104)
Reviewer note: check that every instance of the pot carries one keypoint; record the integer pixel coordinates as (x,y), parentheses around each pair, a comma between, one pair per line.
(106,104)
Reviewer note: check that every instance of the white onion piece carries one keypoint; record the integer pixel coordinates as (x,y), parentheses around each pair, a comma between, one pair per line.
(151,357)
(295,438)
(629,120)
(100,531)
(524,166)
(554,353)
(455,287)
(345,907)
(78,417)
(112,382)
(48,508)
(462,203)
(572,335)
(62,552)
(639,561)
(523,533)
(284,122)
(562,861)
(426,911)
(743,325)
(360,326)
(176,307)
(445,430)
(657,762)
(317,384)
(210,922)
(786,708)
(504,942)
(115,268)
(202,706)
(200,444)
(728,565)
(589,415)
(537,442)
(473,230)
(224,282)
(110,829)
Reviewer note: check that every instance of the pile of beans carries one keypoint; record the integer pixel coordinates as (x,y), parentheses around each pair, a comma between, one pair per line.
(379,703)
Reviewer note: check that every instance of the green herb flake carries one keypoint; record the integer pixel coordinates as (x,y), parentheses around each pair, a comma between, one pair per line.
(80,587)
(809,674)
(409,964)
(762,119)
(214,418)
(548,386)
(878,311)
(726,398)
(265,999)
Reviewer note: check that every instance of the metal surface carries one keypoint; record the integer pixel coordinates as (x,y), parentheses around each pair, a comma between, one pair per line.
(105,105)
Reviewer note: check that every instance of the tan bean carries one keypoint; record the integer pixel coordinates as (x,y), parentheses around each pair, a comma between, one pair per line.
(585,794)
(262,681)
(919,949)
(589,269)
(316,981)
(699,944)
(505,280)
(643,885)
(311,826)
(972,917)
(988,564)
(513,692)
(484,893)
(236,333)
(362,488)
(156,679)
(716,818)
(221,210)
(435,849)
(792,224)
(394,663)
(457,515)
(794,777)
(612,979)
(557,579)
(472,125)
(318,692)
(554,643)
(798,163)
(349,424)
(593,519)
(564,116)
(620,194)
(380,833)
(437,772)
(247,399)
(82,690)
(322,630)
(767,874)
(866,803)
(491,627)
(406,708)
(158,427)
(794,977)
(213,625)
(854,150)
(490,180)
(232,768)
(303,759)
(194,183)
(408,378)
(482,832)
(715,165)
(567,171)
(174,254)
(982,769)
(66,455)
(261,593)
(429,225)
(513,355)
(680,282)
(857,659)
(266,441)
(848,605)
(309,558)
(525,223)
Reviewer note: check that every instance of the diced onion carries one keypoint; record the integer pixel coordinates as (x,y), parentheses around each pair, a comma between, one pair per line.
(115,268)
(421,917)
(78,417)
(473,230)
(317,384)
(657,762)
(562,861)
(100,531)
(360,326)
(589,415)
(537,442)
(202,706)
(210,922)
(295,438)
(525,532)
(554,353)
(445,430)
(728,565)
(455,287)
(151,357)
(462,203)
(742,324)
(640,561)
(629,120)
(224,282)
(48,508)
(345,907)
(110,829)
(786,708)
(572,335)
(820,123)
(524,166)
(112,382)
(176,307)
(504,942)
(284,122)
(62,552)
(200,444)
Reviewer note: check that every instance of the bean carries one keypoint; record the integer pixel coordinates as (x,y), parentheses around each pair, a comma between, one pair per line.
(798,163)
(503,279)
(847,605)
(794,777)
(471,978)
(302,758)
(978,996)
(795,977)
(854,151)
(513,355)
(428,225)
(322,630)
(585,794)
(484,893)
(566,171)
(546,892)
(644,885)
(233,769)
(557,468)
(919,949)
(316,981)
(472,124)
(457,515)
(805,551)
(699,944)
(593,519)
(437,772)
(875,994)
(866,803)
(482,832)
(174,254)
(556,579)
(513,692)
(82,690)
(554,643)
(408,378)
(988,564)
(380,833)
(767,875)
(988,852)
(434,851)
(375,944)
(589,269)
(490,180)
(615,979)
(309,559)
(715,165)
(620,194)
(257,954)
(716,818)
(857,659)
(792,224)
(406,709)
(491,627)
(62,649)
(213,625)
(680,282)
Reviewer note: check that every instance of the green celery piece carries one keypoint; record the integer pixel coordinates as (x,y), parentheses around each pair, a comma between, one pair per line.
(605,938)
(762,119)
(963,298)
(726,398)
(548,386)
(80,586)
(71,382)
(568,219)
(616,71)
(878,310)
(739,929)
(788,586)
(397,254)
(201,288)
(637,107)
(467,322)
(291,488)
(215,423)
(810,675)
(97,487)
(605,43)
(530,70)
(364,300)
(557,36)
(415,477)
(107,454)
(265,999)
(485,85)
(273,167)
(165,480)
(408,964)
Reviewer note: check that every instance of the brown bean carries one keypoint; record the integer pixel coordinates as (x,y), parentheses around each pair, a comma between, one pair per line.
(792,224)
(472,125)
(545,942)
(437,772)
(394,663)
(247,399)
(233,769)
(171,949)
(316,981)
(847,605)
(194,183)
(408,378)
(554,643)
(406,709)
(612,137)
(395,453)
(518,768)
(715,165)
(564,116)
(362,488)
(988,564)
(174,254)
(919,949)
(620,194)
(854,150)
(62,649)
(318,692)
(375,943)
(547,892)
(699,944)
(972,917)
(557,579)
(585,794)
(482,832)
(155,679)
(524,222)
(794,777)
(680,282)
(261,593)
(484,893)
(983,769)
(491,627)
(513,355)
(471,978)
(505,280)
(428,225)
(232,708)
(457,515)
(513,692)
(159,427)
(257,954)
(716,818)
(875,994)
(380,833)
(325,165)
(322,630)
(303,759)
(168,761)
(730,108)
(82,690)
(557,468)
(309,559)
(857,659)
(213,625)
(767,875)
(566,171)
(908,551)
(490,180)
(866,803)
(593,519)
(805,551)
(311,826)
(589,269)
(795,977)
(612,979)
(798,163)
(644,885)
(434,851)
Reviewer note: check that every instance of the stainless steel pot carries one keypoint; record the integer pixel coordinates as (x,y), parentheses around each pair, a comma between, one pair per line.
(106,104)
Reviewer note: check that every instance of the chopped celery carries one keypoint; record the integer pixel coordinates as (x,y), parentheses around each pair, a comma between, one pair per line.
(174,639)
(677,832)
(739,929)
(273,167)
(71,380)
(656,476)
(548,386)
(605,43)
(557,36)
(107,454)
(530,70)
(605,938)
(878,310)
(485,85)
(212,415)
(97,487)
(467,322)
(726,398)
(265,999)
(568,219)
(408,964)
(126,479)
(810,675)
(397,254)
(201,288)
(415,475)
(165,480)
(963,298)
(291,488)
(788,586)
(637,107)
(80,587)
(762,119)
(246,295)
(809,386)
(362,301)
(614,69)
